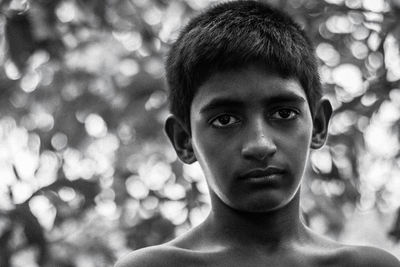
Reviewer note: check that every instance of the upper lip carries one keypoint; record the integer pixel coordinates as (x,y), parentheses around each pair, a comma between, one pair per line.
(260,172)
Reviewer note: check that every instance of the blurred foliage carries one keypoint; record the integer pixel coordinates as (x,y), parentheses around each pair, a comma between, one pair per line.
(86,171)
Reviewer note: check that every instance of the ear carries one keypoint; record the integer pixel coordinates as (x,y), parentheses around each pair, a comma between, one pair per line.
(180,138)
(321,120)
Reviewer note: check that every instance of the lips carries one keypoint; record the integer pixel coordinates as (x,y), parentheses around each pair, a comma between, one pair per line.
(262,174)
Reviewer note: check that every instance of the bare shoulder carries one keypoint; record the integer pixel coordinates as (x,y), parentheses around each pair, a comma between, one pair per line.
(181,251)
(364,256)
(150,256)
(157,256)
(352,255)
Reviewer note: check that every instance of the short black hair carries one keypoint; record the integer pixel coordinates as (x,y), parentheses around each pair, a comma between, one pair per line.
(234,34)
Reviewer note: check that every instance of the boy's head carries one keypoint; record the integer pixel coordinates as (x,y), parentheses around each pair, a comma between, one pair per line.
(246,103)
(230,36)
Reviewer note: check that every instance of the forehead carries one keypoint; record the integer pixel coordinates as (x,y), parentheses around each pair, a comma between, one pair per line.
(249,85)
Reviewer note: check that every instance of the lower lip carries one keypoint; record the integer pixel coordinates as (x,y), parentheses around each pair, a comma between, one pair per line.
(265,179)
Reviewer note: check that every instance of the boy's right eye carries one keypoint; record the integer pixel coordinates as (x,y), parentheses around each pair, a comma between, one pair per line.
(224,121)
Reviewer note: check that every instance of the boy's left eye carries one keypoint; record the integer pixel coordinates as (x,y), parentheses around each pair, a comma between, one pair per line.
(284,114)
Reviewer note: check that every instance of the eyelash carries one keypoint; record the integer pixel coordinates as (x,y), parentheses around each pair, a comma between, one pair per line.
(294,114)
(223,126)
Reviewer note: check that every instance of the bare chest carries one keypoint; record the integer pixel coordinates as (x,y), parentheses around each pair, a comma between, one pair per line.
(244,259)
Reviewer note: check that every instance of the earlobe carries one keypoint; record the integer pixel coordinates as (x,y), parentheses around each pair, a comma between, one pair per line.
(321,120)
(180,138)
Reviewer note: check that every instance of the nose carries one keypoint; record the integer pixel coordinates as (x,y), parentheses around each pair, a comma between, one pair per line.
(259,143)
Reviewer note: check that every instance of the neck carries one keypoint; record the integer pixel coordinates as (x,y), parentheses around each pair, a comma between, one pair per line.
(272,229)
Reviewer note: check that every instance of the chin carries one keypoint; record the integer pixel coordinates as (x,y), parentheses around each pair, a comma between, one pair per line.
(261,205)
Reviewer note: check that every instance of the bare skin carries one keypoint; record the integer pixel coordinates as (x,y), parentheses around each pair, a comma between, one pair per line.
(219,245)
(245,120)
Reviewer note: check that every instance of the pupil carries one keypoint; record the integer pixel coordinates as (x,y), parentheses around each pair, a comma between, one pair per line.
(284,113)
(224,119)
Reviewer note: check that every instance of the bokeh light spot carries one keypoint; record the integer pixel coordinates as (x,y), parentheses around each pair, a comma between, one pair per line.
(95,125)
(59,141)
(11,70)
(66,11)
(30,81)
(349,77)
(136,188)
(328,54)
(43,210)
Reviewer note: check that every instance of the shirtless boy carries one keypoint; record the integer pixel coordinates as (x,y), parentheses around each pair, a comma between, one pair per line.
(246,104)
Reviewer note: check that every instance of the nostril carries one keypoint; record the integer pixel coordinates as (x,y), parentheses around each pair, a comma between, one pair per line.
(259,140)
(259,149)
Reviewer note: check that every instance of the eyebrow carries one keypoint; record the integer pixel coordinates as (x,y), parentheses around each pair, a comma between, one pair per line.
(220,102)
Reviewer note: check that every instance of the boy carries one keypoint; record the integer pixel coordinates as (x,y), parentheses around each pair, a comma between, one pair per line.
(246,104)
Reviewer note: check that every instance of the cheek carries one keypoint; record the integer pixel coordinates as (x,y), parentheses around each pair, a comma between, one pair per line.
(212,153)
(300,148)
(295,142)
(206,150)
(201,145)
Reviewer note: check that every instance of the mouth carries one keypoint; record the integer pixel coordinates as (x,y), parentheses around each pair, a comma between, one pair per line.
(263,175)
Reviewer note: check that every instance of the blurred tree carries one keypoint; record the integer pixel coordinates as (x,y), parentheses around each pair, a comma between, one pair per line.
(86,169)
